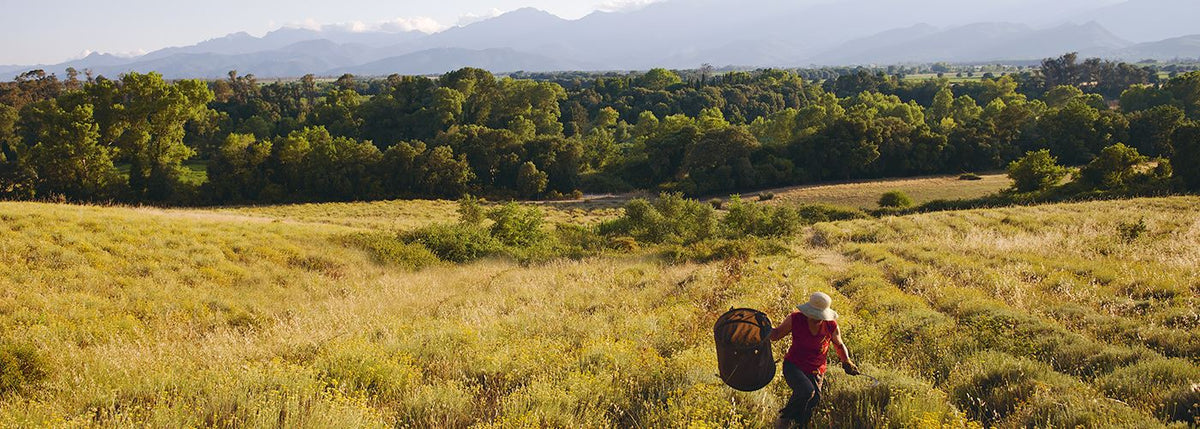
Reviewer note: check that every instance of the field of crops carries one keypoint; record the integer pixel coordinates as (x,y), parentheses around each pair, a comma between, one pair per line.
(1063,315)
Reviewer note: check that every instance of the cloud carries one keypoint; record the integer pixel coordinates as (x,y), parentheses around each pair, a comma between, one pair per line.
(472,18)
(623,5)
(421,23)
(124,54)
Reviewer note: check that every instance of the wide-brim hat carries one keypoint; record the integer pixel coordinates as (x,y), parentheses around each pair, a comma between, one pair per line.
(817,307)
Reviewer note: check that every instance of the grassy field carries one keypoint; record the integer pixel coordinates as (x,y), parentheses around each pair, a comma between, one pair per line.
(1064,315)
(404,215)
(865,195)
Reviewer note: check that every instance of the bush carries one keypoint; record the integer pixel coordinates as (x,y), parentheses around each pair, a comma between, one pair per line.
(895,199)
(1156,383)
(1131,231)
(897,401)
(1113,168)
(669,219)
(970,176)
(517,225)
(1036,171)
(748,219)
(722,249)
(454,242)
(817,213)
(20,367)
(387,249)
(766,196)
(470,210)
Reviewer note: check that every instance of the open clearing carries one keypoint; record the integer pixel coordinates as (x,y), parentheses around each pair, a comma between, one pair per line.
(865,194)
(407,214)
(1051,315)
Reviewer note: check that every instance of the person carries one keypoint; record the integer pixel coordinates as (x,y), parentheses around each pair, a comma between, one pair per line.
(813,326)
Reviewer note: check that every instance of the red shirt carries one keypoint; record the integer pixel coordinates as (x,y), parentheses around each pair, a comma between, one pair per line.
(808,351)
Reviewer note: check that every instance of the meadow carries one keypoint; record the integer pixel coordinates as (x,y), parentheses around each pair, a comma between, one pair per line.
(1051,316)
(865,194)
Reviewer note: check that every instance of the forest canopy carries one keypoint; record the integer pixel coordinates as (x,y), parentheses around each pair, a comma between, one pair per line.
(133,139)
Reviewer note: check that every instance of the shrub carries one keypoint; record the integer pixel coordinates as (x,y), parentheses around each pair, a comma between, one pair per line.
(454,242)
(970,176)
(470,210)
(1113,168)
(1036,171)
(20,367)
(1131,231)
(990,386)
(896,401)
(387,249)
(748,219)
(766,196)
(817,213)
(895,199)
(669,219)
(1156,383)
(517,225)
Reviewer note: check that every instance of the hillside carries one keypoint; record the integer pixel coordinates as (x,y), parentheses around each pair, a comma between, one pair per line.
(123,316)
(684,34)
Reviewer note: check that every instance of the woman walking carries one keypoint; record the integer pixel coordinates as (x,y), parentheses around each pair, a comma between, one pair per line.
(813,326)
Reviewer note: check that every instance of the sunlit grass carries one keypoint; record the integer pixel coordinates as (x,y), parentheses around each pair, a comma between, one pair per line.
(271,316)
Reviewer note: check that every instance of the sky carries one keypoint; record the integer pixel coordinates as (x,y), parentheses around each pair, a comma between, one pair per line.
(53,32)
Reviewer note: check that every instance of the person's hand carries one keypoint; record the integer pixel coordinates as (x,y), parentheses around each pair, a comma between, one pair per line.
(851,368)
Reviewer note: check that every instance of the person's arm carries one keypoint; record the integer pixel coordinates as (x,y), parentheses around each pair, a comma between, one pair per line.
(784,328)
(843,352)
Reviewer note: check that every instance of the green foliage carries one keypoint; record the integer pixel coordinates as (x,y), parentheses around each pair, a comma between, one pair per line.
(60,144)
(669,219)
(1114,168)
(658,79)
(1131,231)
(559,134)
(817,213)
(517,225)
(470,210)
(749,219)
(386,249)
(895,199)
(1036,171)
(1186,158)
(21,368)
(456,243)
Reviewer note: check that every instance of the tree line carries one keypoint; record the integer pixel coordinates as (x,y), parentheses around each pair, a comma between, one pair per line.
(470,132)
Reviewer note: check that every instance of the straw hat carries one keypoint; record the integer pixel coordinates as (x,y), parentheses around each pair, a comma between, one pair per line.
(817,307)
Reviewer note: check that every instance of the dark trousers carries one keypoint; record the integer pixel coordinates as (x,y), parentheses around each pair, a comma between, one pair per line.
(806,394)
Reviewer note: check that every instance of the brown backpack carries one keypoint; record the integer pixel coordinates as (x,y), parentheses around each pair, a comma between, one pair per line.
(744,349)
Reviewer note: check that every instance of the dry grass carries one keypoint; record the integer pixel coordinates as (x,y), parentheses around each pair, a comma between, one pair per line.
(865,195)
(263,317)
(401,215)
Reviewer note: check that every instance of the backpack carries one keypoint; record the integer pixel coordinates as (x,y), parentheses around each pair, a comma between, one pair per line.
(744,354)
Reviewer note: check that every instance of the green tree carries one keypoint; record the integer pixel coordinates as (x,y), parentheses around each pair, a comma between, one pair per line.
(1036,171)
(236,173)
(62,150)
(1186,159)
(149,124)
(531,182)
(895,199)
(658,79)
(1113,168)
(1150,130)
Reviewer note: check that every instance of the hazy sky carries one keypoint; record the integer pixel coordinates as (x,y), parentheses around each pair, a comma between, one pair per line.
(52,32)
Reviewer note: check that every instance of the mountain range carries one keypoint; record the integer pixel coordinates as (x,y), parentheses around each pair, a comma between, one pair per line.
(688,33)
